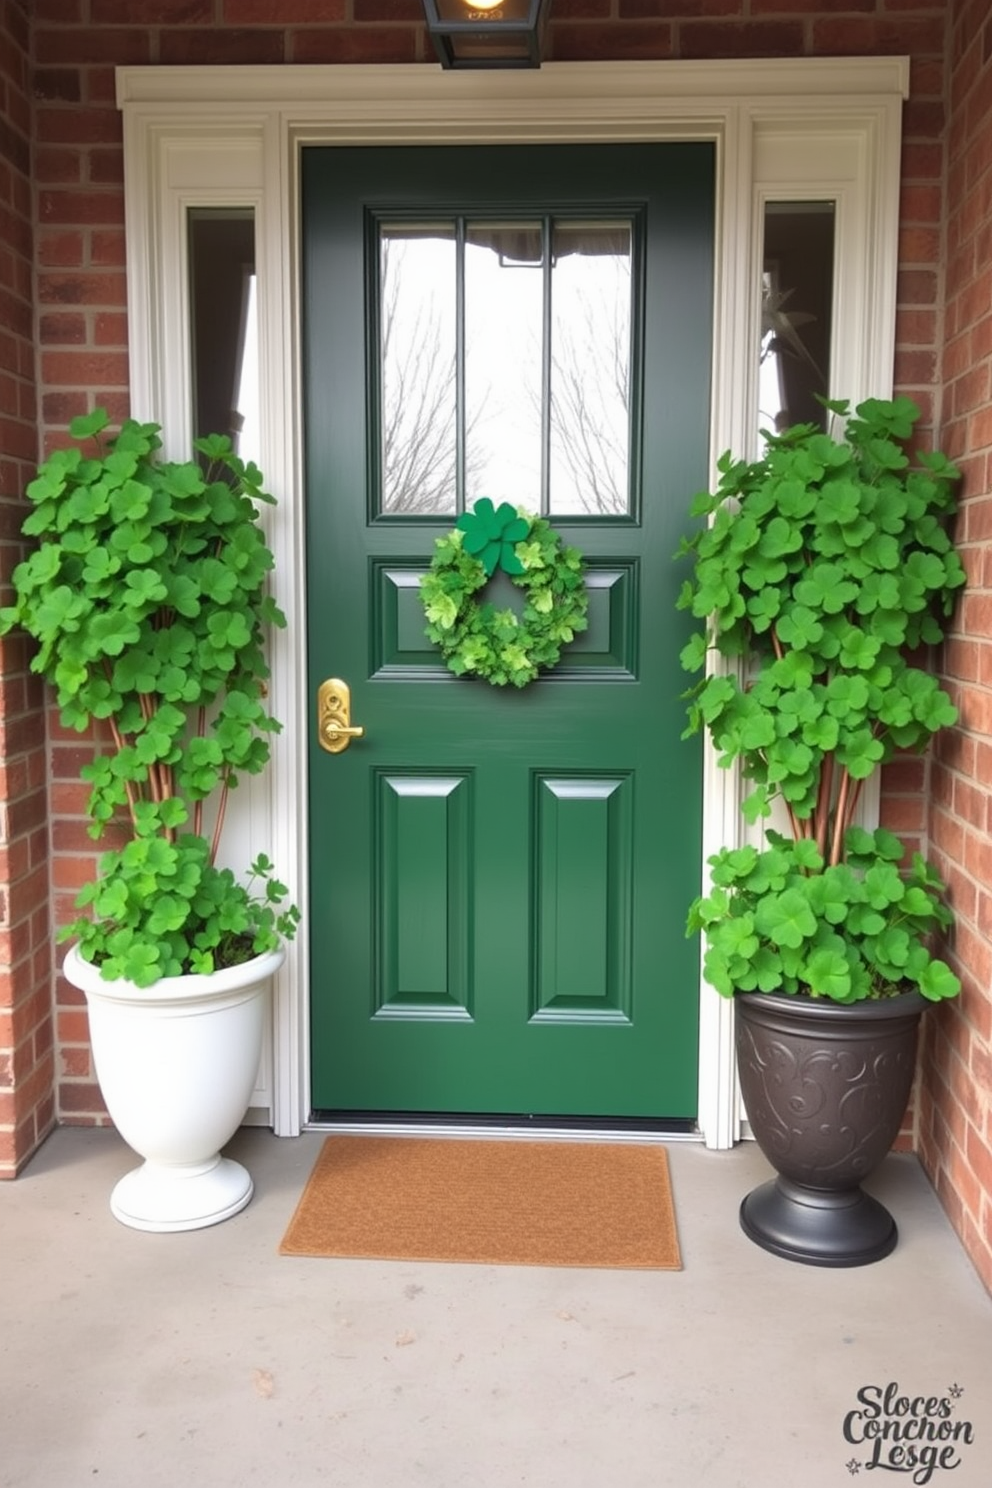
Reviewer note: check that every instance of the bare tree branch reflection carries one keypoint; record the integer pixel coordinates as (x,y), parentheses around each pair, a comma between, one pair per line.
(590,392)
(418,389)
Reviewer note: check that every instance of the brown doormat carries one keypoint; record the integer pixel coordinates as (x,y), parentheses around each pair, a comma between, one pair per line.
(517,1203)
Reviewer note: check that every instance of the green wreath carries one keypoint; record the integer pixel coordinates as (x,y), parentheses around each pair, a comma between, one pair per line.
(498,645)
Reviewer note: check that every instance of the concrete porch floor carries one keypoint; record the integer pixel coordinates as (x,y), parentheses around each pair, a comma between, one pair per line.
(207,1359)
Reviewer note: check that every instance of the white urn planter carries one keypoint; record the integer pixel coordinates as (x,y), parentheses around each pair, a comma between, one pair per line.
(177,1064)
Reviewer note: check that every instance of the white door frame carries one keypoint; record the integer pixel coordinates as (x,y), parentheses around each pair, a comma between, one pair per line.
(788,130)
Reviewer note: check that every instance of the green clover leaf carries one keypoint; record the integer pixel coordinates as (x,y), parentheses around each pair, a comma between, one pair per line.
(491,533)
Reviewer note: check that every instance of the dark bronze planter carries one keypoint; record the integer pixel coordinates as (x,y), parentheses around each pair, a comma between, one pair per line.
(825,1086)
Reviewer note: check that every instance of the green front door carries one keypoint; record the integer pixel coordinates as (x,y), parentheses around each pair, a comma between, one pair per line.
(499,877)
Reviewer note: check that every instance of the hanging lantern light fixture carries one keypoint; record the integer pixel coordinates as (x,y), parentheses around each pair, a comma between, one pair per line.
(487,33)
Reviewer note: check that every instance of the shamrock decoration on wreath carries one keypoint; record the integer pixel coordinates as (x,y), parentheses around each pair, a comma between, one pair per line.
(498,645)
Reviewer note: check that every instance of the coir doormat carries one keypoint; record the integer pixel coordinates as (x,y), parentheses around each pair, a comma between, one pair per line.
(517,1203)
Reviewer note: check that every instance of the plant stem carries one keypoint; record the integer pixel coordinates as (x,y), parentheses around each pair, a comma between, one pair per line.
(219,824)
(201,729)
(844,808)
(822,810)
(129,786)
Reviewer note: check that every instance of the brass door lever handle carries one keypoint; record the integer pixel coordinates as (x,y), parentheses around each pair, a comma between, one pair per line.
(335,729)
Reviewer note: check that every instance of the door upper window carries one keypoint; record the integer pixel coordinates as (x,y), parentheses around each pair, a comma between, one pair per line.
(505,362)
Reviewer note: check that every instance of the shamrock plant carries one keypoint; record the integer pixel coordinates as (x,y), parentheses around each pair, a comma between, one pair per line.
(146,595)
(783,921)
(825,566)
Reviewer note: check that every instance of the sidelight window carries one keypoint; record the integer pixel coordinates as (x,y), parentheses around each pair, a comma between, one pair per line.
(796,313)
(224,325)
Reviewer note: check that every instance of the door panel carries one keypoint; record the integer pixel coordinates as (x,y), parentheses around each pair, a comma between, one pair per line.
(500,877)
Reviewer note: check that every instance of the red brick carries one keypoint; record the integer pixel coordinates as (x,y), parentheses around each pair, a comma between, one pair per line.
(73,872)
(106,167)
(81,207)
(906,774)
(976,710)
(108,249)
(110,329)
(65,12)
(919,245)
(104,288)
(62,329)
(917,287)
(927,77)
(394,11)
(980,1158)
(923,119)
(69,798)
(60,249)
(916,327)
(73,1026)
(976,609)
(76,1064)
(57,167)
(355,44)
(613,40)
(903,814)
(962,895)
(575,10)
(913,368)
(290,12)
(861,35)
(981,339)
(56,84)
(972,390)
(101,87)
(921,161)
(805,7)
(108,46)
(61,408)
(977,519)
(704,39)
(221,47)
(163,12)
(79,126)
(75,1099)
(84,368)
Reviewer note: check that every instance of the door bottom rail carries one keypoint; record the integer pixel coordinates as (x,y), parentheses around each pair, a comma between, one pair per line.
(471,1124)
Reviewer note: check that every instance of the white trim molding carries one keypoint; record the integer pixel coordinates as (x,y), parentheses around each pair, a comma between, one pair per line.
(785,130)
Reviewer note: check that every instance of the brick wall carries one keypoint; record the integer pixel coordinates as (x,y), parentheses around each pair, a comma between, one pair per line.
(955,1112)
(26,1036)
(80,243)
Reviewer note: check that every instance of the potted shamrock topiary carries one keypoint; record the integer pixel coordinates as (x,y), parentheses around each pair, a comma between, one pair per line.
(146,592)
(823,572)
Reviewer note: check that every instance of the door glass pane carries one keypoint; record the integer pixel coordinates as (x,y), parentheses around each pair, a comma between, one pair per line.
(504,300)
(418,341)
(796,313)
(590,368)
(505,365)
(223,331)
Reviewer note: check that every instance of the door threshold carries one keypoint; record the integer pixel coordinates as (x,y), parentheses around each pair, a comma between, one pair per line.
(511,1128)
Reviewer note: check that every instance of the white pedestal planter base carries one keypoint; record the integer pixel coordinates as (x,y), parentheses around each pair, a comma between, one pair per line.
(177,1064)
(161,1199)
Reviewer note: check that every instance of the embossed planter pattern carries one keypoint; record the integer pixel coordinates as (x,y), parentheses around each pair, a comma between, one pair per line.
(825,1086)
